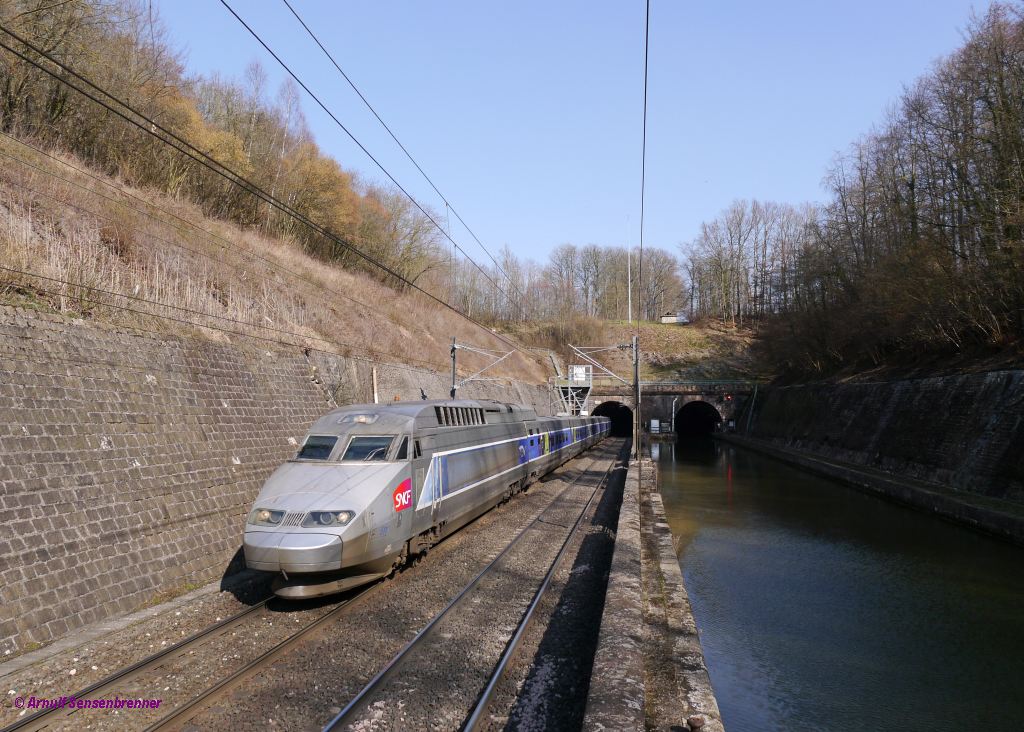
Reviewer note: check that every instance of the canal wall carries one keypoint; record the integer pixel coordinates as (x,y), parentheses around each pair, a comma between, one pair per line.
(129,459)
(649,670)
(952,444)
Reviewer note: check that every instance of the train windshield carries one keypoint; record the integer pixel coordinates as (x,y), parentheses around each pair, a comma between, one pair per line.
(368,448)
(317,447)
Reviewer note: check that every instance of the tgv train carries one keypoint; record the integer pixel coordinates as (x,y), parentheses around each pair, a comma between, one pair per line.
(374,486)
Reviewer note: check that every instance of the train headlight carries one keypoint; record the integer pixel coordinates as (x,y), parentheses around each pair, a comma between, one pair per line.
(327,518)
(266,517)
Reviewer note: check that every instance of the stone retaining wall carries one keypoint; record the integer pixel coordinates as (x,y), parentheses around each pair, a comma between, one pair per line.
(128,460)
(965,432)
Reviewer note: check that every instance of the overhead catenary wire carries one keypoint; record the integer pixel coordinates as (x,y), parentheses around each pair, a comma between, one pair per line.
(398,142)
(156,130)
(224,242)
(340,344)
(643,165)
(341,125)
(425,365)
(192,311)
(337,342)
(638,431)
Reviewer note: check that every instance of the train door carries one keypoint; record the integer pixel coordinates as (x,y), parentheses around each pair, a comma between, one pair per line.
(422,479)
(536,449)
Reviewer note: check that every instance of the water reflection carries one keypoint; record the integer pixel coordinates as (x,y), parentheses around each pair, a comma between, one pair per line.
(696,451)
(822,608)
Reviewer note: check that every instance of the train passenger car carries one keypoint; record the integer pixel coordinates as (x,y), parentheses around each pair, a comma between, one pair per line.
(375,485)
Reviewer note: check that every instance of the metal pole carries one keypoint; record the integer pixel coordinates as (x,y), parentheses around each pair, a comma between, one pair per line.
(637,428)
(750,412)
(629,284)
(376,398)
(454,387)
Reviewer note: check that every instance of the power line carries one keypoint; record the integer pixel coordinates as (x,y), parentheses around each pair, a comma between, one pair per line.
(399,143)
(192,311)
(226,243)
(341,344)
(154,129)
(643,161)
(638,434)
(360,145)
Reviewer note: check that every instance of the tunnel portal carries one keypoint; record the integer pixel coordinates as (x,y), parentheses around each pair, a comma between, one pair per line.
(620,415)
(697,419)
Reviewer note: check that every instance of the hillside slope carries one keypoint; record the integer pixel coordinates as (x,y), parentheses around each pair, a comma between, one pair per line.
(694,351)
(85,245)
(705,350)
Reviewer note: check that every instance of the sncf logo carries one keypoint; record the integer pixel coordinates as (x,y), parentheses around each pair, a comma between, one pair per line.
(403,495)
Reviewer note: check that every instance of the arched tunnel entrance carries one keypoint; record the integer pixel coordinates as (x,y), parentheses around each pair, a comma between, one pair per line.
(620,415)
(697,419)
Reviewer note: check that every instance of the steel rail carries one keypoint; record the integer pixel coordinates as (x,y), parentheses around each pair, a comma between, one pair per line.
(198,702)
(357,704)
(476,717)
(43,718)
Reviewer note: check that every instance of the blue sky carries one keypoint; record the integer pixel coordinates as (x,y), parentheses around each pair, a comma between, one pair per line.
(527,115)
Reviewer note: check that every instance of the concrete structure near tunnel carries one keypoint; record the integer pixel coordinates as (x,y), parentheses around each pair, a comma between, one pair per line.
(691,407)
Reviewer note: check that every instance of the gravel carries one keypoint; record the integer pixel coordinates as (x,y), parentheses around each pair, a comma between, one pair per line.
(547,681)
(69,670)
(308,686)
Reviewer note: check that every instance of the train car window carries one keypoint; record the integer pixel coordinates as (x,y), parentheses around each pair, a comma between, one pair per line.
(403,450)
(368,448)
(317,447)
(416,450)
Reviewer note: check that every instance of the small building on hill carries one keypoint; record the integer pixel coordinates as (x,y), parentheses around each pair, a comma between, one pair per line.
(674,318)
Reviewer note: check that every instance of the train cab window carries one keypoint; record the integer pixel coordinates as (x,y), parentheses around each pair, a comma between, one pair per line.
(416,450)
(368,448)
(317,447)
(403,450)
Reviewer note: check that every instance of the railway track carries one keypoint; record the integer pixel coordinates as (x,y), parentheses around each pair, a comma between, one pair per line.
(363,711)
(48,717)
(210,695)
(180,715)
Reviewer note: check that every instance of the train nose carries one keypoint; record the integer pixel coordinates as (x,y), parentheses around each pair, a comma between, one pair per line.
(274,551)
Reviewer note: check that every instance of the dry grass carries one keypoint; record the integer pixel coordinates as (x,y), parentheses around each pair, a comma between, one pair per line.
(86,245)
(695,351)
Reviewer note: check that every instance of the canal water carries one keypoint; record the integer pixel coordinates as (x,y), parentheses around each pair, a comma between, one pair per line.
(823,608)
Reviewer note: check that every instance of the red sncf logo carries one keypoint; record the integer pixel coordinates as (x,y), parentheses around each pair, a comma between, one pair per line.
(403,495)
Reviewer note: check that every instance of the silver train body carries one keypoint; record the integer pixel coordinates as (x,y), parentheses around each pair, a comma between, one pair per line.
(375,485)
